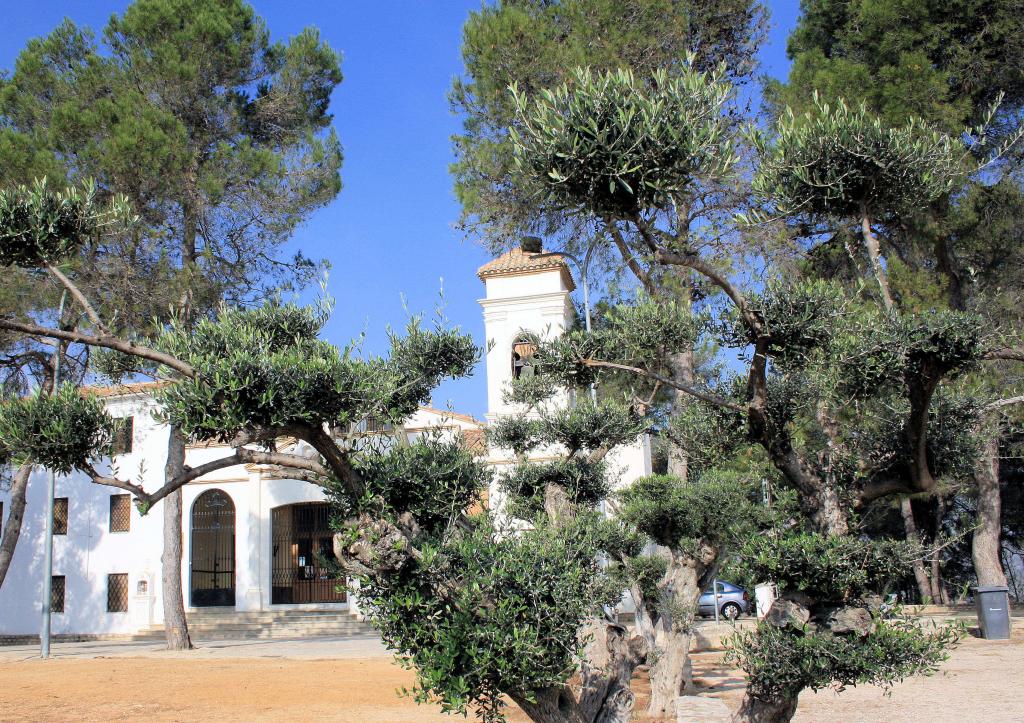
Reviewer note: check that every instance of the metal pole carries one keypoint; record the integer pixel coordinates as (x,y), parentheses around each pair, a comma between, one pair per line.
(51,481)
(586,306)
(582,266)
(714,588)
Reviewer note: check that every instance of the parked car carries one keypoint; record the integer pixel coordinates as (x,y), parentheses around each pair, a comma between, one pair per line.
(733,601)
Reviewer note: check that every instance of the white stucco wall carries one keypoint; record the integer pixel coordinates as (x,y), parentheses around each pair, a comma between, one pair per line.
(537,302)
(90,551)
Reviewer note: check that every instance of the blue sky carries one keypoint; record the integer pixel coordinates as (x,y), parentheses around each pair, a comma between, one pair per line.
(390,235)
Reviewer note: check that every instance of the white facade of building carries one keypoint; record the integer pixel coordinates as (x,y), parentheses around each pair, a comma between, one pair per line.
(268,529)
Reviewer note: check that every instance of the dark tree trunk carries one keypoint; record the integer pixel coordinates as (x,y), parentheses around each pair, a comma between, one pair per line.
(12,530)
(924,584)
(939,592)
(554,705)
(175,624)
(985,543)
(755,710)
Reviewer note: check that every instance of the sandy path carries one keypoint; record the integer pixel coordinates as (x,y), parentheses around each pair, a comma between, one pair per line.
(983,681)
(199,690)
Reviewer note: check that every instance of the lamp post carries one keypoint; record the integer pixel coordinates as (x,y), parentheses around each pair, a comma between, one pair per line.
(44,633)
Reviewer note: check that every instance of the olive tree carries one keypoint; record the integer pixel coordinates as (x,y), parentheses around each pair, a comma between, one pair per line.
(481,610)
(848,400)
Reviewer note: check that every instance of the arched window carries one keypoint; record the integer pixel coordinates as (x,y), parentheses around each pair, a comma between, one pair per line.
(523,363)
(213,549)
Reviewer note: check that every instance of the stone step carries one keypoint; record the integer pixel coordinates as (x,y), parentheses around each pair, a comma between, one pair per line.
(227,623)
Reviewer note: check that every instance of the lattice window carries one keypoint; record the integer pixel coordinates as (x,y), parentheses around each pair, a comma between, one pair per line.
(57,588)
(117,592)
(120,513)
(60,516)
(124,435)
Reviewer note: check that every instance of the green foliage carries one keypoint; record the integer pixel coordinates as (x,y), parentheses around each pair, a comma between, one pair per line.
(874,351)
(642,334)
(520,434)
(827,568)
(219,138)
(954,424)
(421,359)
(61,432)
(485,613)
(709,434)
(585,484)
(801,317)
(537,45)
(838,162)
(434,479)
(40,226)
(266,369)
(779,662)
(944,62)
(586,426)
(683,516)
(611,145)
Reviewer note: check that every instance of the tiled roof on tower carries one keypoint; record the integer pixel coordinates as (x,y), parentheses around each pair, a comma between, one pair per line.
(517,261)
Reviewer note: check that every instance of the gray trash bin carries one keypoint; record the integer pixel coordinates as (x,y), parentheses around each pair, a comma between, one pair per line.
(993,611)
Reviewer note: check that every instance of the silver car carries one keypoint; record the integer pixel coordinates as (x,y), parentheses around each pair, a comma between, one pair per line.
(733,601)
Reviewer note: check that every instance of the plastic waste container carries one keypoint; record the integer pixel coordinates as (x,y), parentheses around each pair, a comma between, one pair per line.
(993,611)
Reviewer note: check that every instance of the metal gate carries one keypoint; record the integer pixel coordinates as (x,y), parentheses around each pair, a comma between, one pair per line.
(302,556)
(213,550)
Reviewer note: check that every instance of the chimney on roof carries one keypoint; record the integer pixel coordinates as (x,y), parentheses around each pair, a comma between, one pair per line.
(531,245)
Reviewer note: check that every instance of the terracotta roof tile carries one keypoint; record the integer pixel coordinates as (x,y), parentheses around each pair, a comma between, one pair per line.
(122,390)
(517,262)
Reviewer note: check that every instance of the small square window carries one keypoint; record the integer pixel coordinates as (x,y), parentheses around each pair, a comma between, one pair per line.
(57,588)
(117,592)
(120,513)
(60,516)
(124,435)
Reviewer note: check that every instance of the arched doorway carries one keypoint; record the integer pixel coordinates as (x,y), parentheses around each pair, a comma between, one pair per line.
(303,565)
(213,550)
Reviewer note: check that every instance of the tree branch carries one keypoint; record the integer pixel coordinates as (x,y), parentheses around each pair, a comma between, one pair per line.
(627,256)
(307,469)
(106,341)
(709,398)
(883,488)
(1007,353)
(78,297)
(1005,402)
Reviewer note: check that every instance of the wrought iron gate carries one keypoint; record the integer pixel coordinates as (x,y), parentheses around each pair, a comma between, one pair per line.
(213,550)
(302,556)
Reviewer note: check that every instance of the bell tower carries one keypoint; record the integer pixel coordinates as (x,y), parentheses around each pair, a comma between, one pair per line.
(526,293)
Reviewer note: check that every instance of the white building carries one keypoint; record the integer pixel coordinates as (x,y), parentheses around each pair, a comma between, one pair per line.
(252,540)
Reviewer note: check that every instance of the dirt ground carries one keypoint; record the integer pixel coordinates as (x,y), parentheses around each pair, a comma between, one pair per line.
(982,681)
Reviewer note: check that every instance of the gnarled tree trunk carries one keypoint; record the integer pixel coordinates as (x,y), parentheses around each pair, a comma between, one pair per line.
(16,515)
(670,673)
(175,624)
(985,542)
(755,710)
